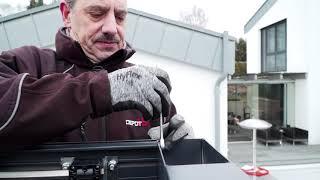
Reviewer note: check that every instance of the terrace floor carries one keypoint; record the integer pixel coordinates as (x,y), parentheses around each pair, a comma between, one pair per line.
(285,162)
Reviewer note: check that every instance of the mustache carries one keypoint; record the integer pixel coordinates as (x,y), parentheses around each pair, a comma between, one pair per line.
(110,38)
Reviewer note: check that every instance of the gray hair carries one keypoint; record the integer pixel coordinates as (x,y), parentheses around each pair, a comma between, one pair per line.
(71,3)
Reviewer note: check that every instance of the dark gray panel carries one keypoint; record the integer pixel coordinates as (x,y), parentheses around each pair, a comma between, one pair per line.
(175,42)
(148,35)
(47,23)
(131,23)
(203,49)
(21,32)
(3,39)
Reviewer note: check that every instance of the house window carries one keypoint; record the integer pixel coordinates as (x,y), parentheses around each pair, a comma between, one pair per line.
(274,47)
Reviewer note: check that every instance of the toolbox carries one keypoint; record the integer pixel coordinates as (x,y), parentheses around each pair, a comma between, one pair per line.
(125,160)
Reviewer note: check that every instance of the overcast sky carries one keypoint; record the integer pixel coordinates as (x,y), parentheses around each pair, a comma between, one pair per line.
(223,15)
(20,2)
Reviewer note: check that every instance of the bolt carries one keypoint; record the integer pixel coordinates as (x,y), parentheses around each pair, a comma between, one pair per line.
(112,164)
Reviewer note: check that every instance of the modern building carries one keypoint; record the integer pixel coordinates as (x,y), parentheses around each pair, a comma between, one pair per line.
(283,66)
(197,60)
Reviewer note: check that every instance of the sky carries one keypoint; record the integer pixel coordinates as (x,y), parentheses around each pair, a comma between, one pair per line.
(14,3)
(223,15)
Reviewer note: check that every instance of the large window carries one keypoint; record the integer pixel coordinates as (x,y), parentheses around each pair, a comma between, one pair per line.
(268,102)
(274,47)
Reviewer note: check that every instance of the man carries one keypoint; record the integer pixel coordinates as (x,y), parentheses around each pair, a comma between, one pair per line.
(84,91)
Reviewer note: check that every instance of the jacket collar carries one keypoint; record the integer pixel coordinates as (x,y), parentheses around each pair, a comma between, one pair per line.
(71,51)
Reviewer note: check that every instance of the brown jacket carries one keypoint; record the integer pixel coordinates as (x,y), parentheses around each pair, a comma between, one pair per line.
(60,95)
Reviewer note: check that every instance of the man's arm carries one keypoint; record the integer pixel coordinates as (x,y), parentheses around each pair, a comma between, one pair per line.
(34,110)
(37,108)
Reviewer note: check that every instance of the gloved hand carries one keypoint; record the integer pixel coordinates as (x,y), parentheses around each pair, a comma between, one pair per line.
(137,88)
(173,131)
(161,75)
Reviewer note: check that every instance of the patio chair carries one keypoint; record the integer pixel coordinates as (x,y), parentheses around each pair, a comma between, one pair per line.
(271,135)
(294,134)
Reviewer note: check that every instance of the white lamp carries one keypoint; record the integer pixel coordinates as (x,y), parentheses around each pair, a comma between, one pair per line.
(254,124)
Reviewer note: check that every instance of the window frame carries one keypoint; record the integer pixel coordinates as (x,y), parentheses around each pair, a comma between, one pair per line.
(264,46)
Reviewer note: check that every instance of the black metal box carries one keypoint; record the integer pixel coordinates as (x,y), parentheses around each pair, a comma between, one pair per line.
(129,160)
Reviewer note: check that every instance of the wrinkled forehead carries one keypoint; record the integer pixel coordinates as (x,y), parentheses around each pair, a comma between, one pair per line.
(118,4)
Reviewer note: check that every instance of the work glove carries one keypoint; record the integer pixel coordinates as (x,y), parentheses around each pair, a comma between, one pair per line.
(173,131)
(138,88)
(162,75)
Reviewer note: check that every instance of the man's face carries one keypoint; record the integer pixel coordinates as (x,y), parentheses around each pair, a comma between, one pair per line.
(98,25)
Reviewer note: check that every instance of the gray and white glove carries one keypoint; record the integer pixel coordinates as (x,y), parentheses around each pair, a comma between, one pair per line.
(173,131)
(161,75)
(137,88)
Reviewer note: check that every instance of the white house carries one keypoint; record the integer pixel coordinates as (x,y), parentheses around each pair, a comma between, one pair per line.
(282,56)
(197,60)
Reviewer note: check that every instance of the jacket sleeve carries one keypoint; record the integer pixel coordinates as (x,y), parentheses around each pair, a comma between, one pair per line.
(34,110)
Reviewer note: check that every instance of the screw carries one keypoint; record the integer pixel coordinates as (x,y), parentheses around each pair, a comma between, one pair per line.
(112,164)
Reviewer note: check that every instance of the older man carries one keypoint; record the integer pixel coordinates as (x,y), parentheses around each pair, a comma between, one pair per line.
(85,90)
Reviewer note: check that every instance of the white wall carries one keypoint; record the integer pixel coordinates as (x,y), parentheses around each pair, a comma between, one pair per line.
(312,48)
(294,12)
(301,105)
(193,95)
(303,39)
(253,39)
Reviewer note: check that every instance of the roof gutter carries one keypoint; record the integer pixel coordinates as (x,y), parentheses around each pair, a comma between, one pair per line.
(218,131)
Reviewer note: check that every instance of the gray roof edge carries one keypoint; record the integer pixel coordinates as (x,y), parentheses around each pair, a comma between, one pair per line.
(180,24)
(141,14)
(133,11)
(259,14)
(28,12)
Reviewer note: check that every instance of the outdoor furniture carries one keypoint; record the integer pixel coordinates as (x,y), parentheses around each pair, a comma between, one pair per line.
(294,134)
(254,124)
(272,135)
